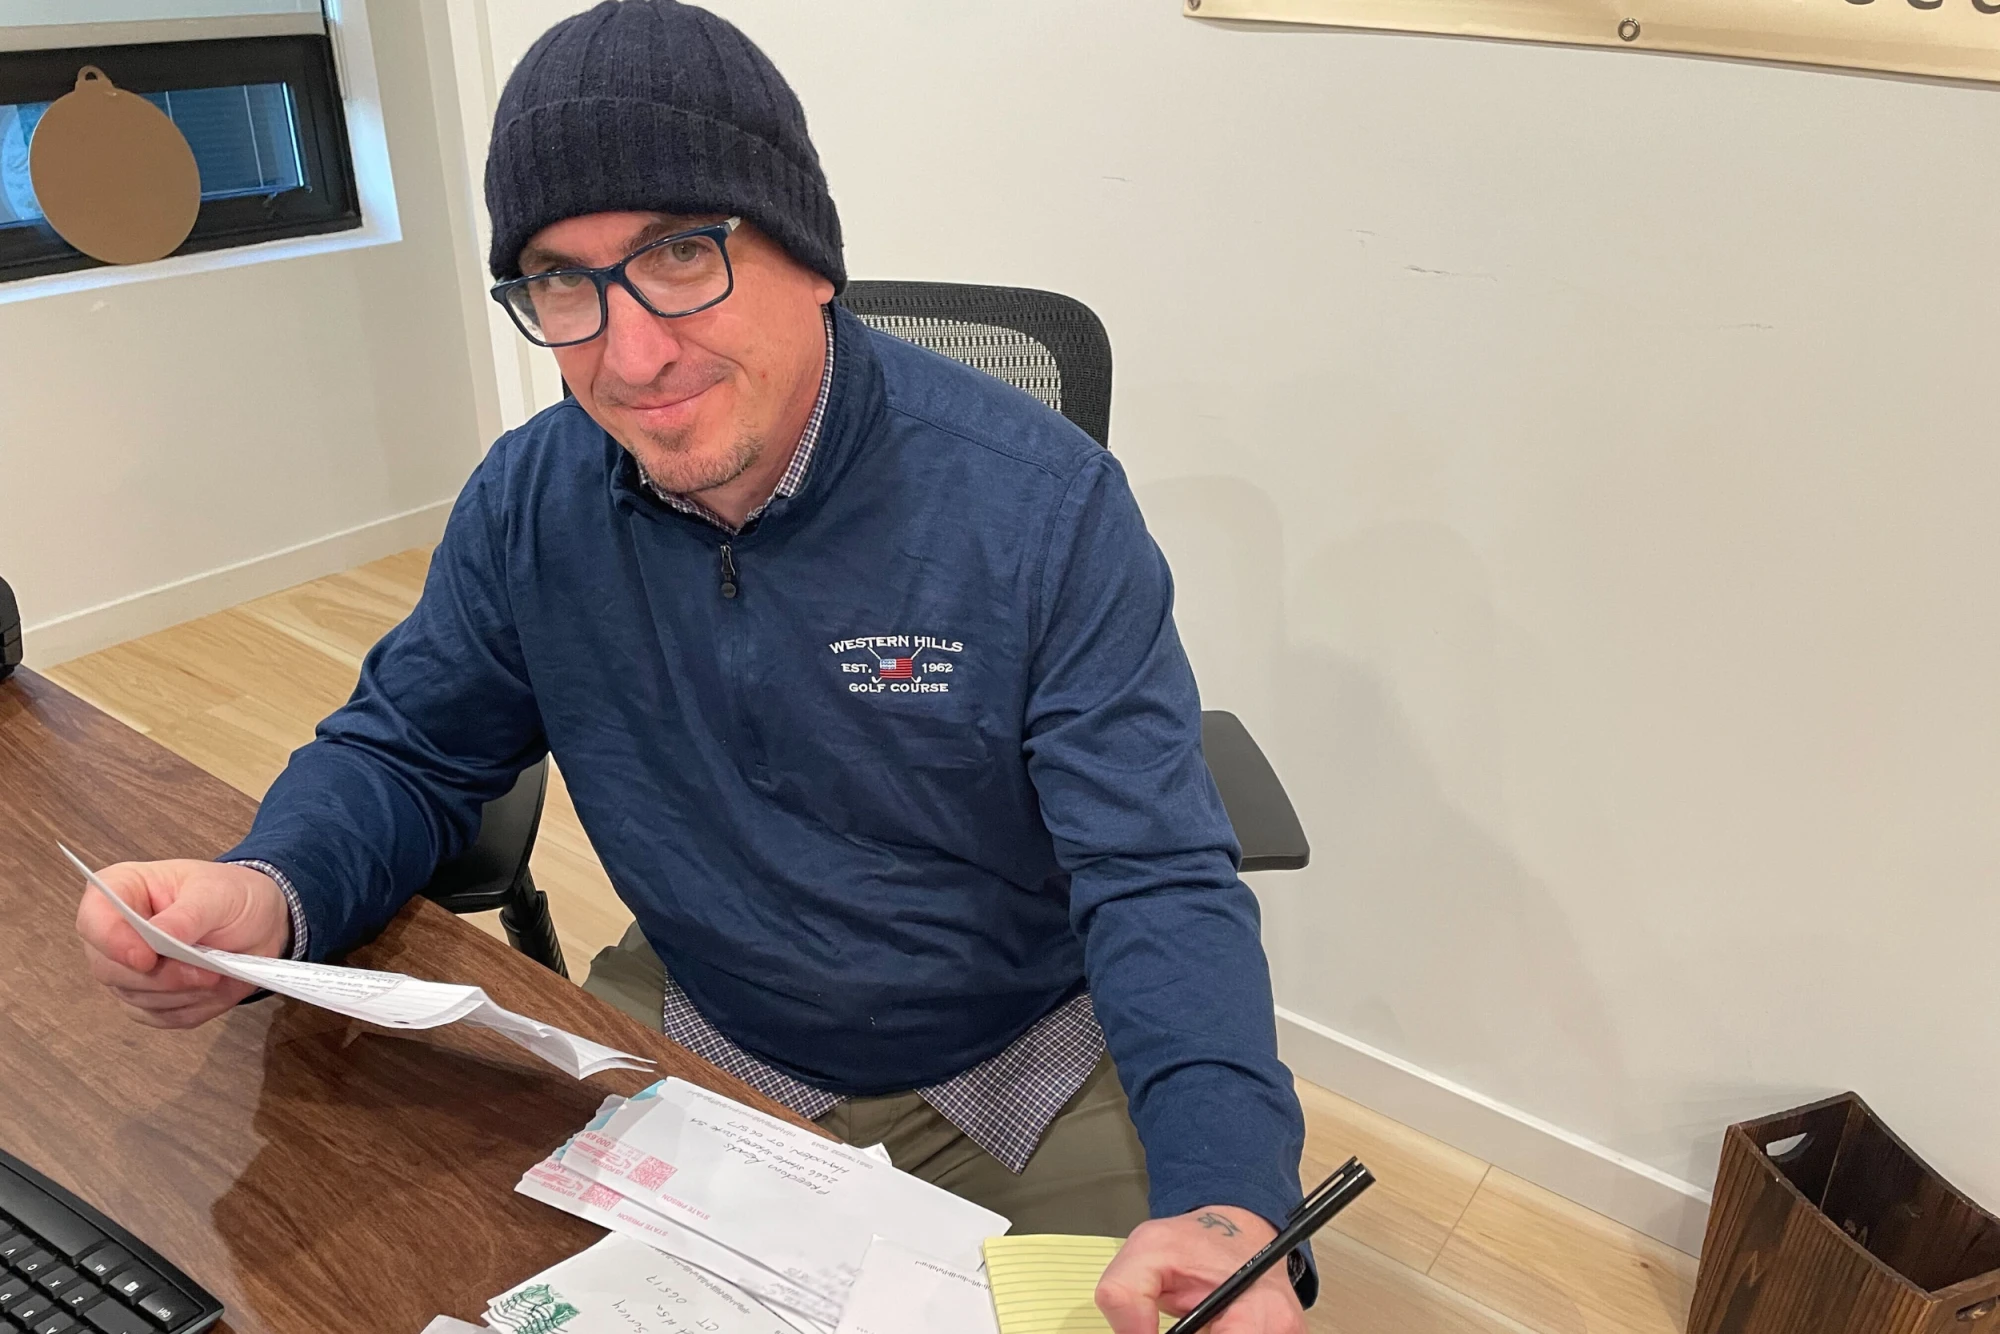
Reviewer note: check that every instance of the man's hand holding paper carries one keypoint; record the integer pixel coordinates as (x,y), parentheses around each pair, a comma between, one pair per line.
(222,906)
(392,1000)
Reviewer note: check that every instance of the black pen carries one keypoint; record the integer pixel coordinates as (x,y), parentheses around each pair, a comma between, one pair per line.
(1327,1199)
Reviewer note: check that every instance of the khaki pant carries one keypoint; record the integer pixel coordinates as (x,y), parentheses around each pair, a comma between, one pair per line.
(1087,1176)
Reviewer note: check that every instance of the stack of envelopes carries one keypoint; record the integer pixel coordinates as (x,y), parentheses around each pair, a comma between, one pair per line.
(764,1206)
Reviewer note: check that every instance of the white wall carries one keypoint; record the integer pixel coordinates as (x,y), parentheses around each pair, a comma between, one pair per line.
(172,446)
(1579,469)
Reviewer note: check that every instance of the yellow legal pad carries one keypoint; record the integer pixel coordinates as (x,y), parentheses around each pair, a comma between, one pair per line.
(1045,1284)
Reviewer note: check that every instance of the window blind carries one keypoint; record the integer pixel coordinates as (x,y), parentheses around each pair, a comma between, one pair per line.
(40,25)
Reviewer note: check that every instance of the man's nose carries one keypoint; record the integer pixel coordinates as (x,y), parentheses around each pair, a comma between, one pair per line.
(638,344)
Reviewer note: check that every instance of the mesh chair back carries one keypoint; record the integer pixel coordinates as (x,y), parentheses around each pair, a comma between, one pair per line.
(1053,347)
(1046,344)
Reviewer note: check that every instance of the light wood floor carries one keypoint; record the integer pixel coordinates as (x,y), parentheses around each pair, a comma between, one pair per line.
(1445,1244)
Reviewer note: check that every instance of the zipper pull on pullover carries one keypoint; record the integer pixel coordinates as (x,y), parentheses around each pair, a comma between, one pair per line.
(729,580)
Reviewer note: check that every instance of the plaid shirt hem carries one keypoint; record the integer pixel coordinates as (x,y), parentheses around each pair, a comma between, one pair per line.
(1004,1104)
(795,471)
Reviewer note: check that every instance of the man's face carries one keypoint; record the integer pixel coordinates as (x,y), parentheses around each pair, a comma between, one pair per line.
(696,400)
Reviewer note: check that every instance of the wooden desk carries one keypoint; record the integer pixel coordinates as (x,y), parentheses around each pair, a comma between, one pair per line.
(312,1172)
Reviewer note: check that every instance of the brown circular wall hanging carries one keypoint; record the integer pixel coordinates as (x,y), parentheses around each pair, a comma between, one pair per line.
(114,176)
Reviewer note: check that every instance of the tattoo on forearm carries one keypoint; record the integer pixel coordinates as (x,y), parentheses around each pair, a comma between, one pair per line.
(1215,1220)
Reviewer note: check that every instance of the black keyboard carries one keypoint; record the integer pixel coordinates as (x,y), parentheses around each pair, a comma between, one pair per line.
(67,1269)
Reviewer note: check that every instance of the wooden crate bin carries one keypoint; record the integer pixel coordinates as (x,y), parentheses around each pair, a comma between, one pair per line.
(1825,1223)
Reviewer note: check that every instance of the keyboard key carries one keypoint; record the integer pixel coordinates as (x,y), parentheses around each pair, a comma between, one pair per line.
(112,1317)
(33,1263)
(105,1261)
(31,1308)
(18,1244)
(132,1283)
(66,1234)
(12,1289)
(56,1281)
(80,1294)
(166,1306)
(62,1322)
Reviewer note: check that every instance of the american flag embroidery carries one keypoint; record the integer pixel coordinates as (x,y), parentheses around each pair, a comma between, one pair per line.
(895,669)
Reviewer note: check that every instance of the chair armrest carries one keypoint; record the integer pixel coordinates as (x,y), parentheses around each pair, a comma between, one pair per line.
(1266,825)
(484,876)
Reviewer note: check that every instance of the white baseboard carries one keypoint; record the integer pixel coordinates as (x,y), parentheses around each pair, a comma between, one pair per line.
(1641,1197)
(48,643)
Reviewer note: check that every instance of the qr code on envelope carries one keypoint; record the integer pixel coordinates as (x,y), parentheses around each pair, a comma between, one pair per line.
(602,1196)
(651,1172)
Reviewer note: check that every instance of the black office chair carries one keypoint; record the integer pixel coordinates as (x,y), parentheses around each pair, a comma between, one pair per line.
(1055,348)
(493,873)
(10,631)
(1047,345)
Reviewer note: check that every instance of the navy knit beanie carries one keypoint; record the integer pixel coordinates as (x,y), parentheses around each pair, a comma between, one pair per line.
(655,106)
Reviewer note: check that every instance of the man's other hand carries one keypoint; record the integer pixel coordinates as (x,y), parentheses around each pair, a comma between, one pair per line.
(1170,1264)
(225,907)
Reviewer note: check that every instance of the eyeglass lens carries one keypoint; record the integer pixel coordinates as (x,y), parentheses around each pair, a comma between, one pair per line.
(674,278)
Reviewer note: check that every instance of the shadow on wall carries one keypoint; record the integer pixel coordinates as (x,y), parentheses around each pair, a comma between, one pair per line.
(1377,675)
(1451,952)
(1415,929)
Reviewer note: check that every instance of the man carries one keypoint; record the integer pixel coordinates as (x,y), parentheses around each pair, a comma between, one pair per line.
(861,668)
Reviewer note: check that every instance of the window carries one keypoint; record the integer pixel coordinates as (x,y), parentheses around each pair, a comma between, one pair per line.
(262,114)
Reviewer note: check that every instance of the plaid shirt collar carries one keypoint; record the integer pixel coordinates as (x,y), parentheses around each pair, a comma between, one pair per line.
(795,471)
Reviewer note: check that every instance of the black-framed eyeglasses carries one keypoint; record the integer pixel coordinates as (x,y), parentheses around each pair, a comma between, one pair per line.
(673,276)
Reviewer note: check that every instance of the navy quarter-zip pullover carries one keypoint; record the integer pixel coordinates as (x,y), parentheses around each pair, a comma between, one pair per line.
(884,778)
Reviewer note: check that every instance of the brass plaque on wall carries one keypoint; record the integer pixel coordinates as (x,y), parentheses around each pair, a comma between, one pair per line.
(1953,39)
